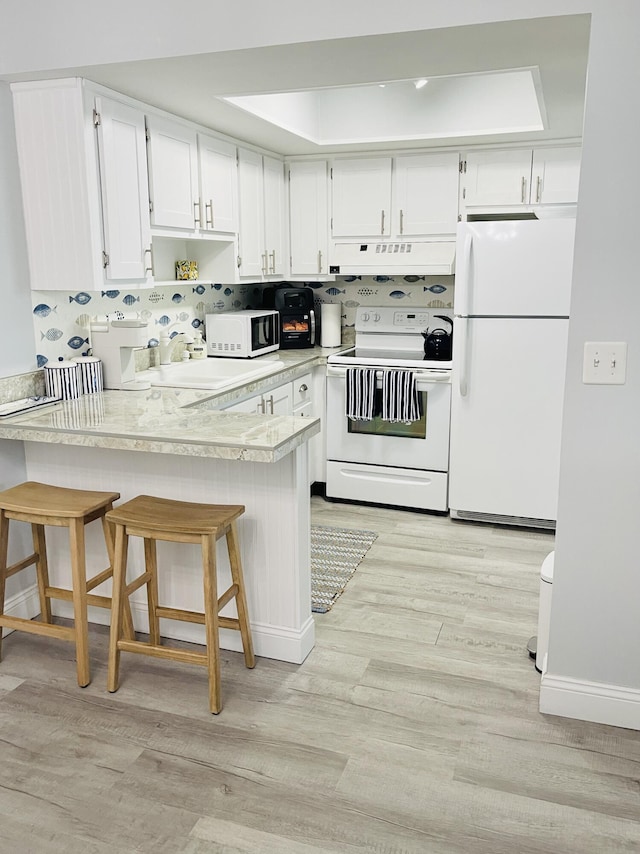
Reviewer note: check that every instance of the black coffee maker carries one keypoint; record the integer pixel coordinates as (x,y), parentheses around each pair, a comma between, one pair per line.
(438,343)
(299,322)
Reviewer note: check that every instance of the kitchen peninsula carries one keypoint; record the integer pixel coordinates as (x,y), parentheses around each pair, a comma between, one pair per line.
(176,443)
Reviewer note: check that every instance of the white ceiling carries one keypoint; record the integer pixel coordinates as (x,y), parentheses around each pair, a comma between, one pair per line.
(194,86)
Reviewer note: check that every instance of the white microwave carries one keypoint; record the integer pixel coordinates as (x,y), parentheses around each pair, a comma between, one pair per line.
(242,334)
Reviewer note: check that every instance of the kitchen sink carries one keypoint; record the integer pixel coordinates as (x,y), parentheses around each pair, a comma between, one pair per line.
(210,373)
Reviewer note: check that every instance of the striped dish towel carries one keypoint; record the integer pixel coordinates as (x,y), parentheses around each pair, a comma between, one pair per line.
(400,397)
(360,393)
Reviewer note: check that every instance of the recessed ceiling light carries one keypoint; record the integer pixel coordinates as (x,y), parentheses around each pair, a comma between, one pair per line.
(420,83)
(382,85)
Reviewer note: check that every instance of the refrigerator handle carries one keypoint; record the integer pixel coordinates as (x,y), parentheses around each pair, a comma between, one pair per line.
(463,277)
(462,331)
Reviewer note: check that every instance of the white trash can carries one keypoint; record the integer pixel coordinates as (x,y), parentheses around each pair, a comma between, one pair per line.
(544,612)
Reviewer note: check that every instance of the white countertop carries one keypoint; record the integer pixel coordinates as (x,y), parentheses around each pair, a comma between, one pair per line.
(176,421)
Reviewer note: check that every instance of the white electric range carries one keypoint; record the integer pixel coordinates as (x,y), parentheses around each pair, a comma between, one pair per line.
(403,464)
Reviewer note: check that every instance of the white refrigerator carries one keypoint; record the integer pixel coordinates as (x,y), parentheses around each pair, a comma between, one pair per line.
(512,293)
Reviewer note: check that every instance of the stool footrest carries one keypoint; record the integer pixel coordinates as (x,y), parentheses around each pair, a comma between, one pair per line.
(136,583)
(169,652)
(99,578)
(67,596)
(35,627)
(22,564)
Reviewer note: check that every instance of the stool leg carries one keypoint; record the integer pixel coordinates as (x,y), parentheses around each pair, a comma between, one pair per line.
(4,545)
(117,596)
(129,631)
(211,621)
(79,576)
(151,566)
(237,577)
(42,571)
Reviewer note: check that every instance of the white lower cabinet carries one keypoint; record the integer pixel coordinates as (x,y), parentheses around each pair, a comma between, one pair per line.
(277,401)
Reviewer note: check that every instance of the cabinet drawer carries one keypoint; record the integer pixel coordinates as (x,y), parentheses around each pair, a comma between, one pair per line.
(302,391)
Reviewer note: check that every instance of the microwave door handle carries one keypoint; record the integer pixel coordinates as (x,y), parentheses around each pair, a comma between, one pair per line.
(312,318)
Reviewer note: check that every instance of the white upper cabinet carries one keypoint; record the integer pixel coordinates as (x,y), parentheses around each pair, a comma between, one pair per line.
(361,197)
(403,196)
(218,184)
(274,215)
(555,175)
(125,195)
(520,177)
(262,210)
(425,194)
(85,204)
(497,178)
(173,174)
(308,218)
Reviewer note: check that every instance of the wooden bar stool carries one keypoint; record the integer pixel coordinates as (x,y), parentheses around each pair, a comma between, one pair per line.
(178,522)
(41,504)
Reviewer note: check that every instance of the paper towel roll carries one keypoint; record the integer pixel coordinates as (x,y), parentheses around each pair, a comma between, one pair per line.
(331,324)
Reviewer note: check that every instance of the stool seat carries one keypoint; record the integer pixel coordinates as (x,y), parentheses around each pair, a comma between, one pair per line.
(168,520)
(165,515)
(40,505)
(43,499)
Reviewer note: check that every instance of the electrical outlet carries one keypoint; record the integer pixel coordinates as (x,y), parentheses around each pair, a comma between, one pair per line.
(605,362)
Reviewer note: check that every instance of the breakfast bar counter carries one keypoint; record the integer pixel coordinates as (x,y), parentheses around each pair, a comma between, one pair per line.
(174,443)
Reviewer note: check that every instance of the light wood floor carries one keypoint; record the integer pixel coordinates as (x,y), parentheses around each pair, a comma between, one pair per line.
(412,727)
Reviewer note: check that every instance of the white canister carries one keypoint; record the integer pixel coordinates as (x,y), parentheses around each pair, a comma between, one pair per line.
(90,373)
(331,324)
(62,379)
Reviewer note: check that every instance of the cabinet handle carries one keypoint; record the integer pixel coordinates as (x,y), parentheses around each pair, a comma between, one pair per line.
(265,268)
(273,260)
(401,221)
(261,407)
(149,269)
(382,222)
(304,387)
(538,188)
(524,189)
(196,219)
(319,260)
(209,205)
(271,403)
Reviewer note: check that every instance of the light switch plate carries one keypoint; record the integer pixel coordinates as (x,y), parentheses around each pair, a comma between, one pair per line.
(605,362)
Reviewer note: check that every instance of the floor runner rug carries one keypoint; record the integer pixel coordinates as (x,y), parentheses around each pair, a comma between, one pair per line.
(335,556)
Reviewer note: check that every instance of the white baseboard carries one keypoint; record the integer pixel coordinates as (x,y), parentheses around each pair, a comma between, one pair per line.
(277,642)
(25,604)
(590,701)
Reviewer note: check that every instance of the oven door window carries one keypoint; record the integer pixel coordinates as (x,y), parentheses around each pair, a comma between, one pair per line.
(378,427)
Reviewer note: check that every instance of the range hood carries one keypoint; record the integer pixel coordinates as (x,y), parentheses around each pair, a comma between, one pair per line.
(424,257)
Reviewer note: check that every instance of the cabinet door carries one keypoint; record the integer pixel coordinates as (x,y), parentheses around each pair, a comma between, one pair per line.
(125,199)
(361,197)
(274,210)
(251,234)
(425,194)
(173,175)
(279,401)
(497,178)
(555,176)
(308,217)
(218,184)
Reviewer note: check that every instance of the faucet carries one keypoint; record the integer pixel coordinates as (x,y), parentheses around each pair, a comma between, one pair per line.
(166,344)
(114,342)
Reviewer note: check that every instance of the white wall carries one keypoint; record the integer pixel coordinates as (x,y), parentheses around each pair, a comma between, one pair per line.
(595,633)
(17,350)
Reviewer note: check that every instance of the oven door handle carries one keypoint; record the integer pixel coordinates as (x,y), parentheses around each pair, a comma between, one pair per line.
(421,377)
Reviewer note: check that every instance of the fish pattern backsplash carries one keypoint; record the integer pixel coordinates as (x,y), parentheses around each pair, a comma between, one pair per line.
(61,318)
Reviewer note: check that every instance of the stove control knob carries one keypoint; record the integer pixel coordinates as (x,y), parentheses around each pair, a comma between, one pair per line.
(364,317)
(376,317)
